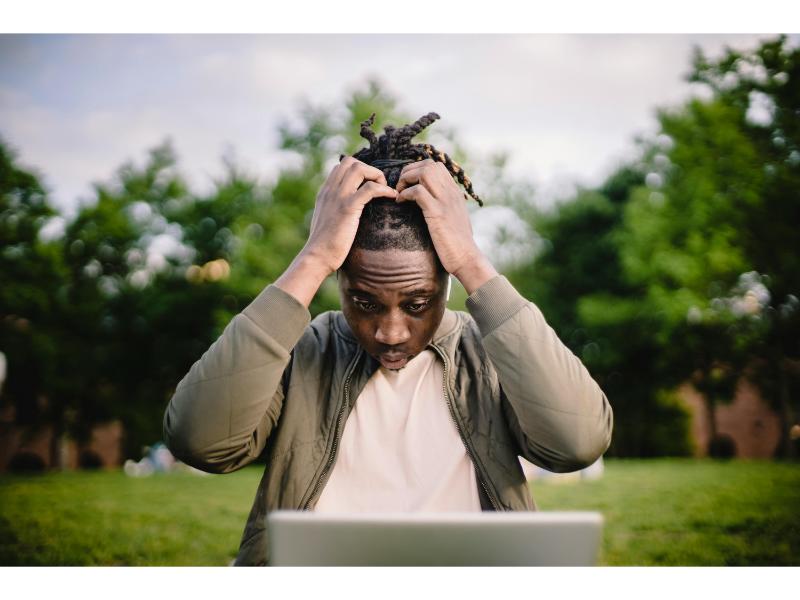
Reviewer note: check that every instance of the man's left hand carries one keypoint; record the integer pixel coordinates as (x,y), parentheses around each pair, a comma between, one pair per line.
(432,187)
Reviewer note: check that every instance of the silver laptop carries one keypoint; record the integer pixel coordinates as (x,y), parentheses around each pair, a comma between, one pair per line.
(435,539)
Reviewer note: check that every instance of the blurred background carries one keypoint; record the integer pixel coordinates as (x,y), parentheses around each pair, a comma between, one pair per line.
(643,191)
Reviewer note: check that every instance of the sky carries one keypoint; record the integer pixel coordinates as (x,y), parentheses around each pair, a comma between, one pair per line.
(566,108)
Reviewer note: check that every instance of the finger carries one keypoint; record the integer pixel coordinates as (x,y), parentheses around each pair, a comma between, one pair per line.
(411,168)
(424,176)
(409,178)
(358,172)
(332,176)
(371,190)
(339,169)
(422,196)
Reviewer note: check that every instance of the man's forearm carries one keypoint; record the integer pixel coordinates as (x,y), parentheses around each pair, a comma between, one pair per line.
(303,278)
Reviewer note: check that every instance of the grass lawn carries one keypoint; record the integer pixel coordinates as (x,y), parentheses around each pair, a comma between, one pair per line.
(658,512)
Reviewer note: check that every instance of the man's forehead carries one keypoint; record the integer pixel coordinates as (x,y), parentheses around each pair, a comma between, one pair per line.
(405,291)
(391,264)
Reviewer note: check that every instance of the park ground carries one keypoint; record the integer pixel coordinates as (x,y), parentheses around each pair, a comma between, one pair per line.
(657,512)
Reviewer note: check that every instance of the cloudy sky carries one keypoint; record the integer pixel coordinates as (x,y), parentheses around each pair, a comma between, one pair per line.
(566,107)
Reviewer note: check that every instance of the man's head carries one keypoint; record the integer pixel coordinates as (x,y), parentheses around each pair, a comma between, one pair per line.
(392,287)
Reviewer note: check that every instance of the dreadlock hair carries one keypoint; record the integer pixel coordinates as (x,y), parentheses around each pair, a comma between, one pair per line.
(385,223)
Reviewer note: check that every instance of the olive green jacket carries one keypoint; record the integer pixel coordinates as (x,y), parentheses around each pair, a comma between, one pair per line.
(277,383)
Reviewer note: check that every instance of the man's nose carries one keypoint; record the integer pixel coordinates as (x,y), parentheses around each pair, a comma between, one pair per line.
(392,330)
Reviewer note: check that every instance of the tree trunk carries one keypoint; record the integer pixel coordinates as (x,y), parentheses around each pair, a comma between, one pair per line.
(59,442)
(711,415)
(55,446)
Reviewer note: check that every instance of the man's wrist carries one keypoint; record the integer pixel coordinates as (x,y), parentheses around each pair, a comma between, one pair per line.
(303,278)
(493,303)
(475,272)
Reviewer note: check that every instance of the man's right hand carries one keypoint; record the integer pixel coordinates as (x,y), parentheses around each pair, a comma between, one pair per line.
(340,201)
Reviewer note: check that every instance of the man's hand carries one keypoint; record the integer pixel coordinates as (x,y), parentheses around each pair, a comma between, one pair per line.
(432,187)
(340,201)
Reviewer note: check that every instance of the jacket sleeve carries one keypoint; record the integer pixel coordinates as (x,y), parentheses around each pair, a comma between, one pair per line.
(561,418)
(227,405)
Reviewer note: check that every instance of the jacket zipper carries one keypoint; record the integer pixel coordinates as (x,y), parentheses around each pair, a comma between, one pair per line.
(336,436)
(445,388)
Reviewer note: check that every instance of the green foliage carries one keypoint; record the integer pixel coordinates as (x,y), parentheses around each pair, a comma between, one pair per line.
(134,323)
(578,253)
(714,241)
(32,273)
(578,282)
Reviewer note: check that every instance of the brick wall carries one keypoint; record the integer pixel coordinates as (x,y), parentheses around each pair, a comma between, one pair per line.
(748,421)
(105,443)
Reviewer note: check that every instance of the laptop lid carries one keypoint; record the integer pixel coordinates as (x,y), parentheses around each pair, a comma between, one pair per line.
(435,539)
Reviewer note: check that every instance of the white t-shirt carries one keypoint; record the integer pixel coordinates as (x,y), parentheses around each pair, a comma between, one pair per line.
(400,449)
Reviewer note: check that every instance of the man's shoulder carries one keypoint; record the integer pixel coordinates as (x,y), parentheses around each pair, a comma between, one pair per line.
(458,328)
(327,326)
(322,339)
(466,323)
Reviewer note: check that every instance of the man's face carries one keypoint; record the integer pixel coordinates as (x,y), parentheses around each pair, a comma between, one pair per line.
(393,301)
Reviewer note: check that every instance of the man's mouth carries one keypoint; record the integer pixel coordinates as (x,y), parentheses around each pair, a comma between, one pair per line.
(393,361)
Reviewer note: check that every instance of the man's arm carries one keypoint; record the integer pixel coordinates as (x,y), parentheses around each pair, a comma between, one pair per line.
(561,417)
(225,408)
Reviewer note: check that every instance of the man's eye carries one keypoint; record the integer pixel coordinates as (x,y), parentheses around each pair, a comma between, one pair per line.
(365,306)
(418,307)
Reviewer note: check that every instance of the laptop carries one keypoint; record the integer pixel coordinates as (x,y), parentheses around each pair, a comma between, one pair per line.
(302,538)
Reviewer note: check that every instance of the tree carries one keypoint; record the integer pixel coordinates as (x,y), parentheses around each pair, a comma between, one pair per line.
(32,276)
(126,334)
(577,280)
(714,238)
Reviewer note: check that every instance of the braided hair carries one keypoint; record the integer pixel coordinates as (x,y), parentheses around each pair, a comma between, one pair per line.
(394,149)
(385,223)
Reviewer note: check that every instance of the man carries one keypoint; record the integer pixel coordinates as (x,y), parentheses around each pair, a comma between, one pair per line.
(394,402)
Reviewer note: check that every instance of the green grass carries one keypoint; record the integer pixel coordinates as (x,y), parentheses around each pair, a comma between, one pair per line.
(658,512)
(686,512)
(106,518)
